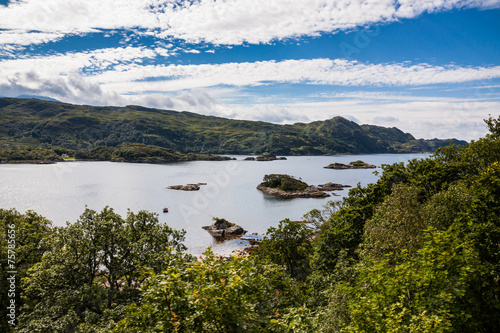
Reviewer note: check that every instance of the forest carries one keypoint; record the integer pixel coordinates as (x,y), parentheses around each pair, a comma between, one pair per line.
(417,251)
(127,152)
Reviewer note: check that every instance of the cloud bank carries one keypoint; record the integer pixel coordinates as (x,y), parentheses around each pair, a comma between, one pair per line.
(218,22)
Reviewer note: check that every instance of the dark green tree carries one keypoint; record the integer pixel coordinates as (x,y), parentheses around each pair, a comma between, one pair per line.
(21,246)
(288,245)
(93,269)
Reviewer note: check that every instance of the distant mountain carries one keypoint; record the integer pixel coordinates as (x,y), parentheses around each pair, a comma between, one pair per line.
(42,98)
(33,122)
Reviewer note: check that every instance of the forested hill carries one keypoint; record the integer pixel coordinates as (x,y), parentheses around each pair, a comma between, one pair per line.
(34,123)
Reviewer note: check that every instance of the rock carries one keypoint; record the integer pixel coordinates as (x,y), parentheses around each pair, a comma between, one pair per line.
(332,187)
(352,165)
(266,157)
(310,192)
(222,230)
(189,187)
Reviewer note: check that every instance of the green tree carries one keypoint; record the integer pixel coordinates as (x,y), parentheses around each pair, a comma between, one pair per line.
(283,182)
(433,291)
(397,226)
(217,295)
(288,245)
(93,269)
(23,235)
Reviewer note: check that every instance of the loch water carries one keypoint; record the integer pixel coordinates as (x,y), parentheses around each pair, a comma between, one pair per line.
(61,191)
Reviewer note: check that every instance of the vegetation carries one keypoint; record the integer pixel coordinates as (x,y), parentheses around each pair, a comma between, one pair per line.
(284,183)
(128,152)
(35,123)
(358,163)
(417,251)
(32,154)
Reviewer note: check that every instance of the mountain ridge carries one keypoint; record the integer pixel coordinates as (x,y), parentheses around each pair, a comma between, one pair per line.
(38,123)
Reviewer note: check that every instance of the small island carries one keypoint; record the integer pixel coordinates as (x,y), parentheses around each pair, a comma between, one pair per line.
(285,186)
(353,165)
(222,229)
(265,157)
(188,187)
(332,187)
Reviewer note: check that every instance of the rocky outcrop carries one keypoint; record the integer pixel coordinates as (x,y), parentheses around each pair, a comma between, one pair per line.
(222,230)
(188,187)
(332,187)
(352,165)
(309,192)
(268,157)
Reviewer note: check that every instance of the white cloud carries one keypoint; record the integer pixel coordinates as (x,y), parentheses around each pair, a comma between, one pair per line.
(218,22)
(433,119)
(113,77)
(21,37)
(121,70)
(315,71)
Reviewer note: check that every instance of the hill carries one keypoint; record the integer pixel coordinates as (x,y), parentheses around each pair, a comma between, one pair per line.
(37,123)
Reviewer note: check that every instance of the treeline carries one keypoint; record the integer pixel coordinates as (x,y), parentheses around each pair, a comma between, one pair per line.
(418,251)
(128,152)
(36,123)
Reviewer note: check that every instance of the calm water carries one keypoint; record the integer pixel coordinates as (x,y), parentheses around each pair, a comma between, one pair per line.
(61,191)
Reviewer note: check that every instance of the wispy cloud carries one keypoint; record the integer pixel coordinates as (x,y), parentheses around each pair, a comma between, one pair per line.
(315,71)
(122,71)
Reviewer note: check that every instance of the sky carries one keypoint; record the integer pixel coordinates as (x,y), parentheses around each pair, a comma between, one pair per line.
(427,67)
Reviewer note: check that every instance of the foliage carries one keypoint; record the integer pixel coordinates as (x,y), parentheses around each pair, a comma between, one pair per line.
(127,152)
(315,217)
(288,245)
(407,280)
(93,268)
(396,227)
(432,291)
(222,222)
(358,163)
(217,295)
(23,235)
(32,154)
(284,182)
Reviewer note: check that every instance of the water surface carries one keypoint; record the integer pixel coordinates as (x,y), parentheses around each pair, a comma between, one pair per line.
(61,191)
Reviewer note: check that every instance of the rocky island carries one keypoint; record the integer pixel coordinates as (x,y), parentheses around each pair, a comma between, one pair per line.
(222,229)
(332,187)
(188,187)
(265,157)
(285,186)
(353,165)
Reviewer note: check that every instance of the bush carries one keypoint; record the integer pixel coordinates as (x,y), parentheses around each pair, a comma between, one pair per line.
(284,182)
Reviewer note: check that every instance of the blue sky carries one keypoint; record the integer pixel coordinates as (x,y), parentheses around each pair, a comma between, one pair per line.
(431,68)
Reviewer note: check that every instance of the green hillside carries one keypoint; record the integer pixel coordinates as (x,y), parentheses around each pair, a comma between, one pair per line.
(37,123)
